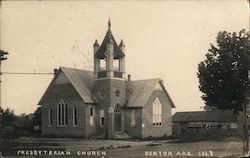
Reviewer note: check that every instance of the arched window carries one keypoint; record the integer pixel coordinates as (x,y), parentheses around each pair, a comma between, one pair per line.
(101,118)
(133,118)
(157,112)
(62,112)
(50,116)
(91,119)
(74,117)
(117,108)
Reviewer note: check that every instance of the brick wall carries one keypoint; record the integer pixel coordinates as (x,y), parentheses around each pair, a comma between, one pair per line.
(73,100)
(134,131)
(147,120)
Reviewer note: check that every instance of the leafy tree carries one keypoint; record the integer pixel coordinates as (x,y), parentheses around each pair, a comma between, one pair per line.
(223,75)
(6,116)
(36,121)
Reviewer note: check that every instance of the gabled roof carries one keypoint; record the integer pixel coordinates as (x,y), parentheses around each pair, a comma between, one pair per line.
(139,91)
(206,116)
(102,50)
(82,81)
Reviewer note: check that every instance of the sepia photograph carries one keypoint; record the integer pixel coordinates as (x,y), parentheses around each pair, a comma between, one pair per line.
(124,79)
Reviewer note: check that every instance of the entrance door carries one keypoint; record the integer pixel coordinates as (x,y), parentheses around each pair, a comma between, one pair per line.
(117,118)
(117,121)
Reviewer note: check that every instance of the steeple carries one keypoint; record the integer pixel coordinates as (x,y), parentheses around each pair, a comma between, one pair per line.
(109,24)
(109,39)
(109,57)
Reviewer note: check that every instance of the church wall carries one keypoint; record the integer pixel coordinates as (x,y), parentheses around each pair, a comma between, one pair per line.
(91,129)
(134,131)
(109,99)
(148,130)
(73,100)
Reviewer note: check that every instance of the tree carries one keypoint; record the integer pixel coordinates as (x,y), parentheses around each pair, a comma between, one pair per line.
(36,121)
(2,55)
(223,75)
(6,117)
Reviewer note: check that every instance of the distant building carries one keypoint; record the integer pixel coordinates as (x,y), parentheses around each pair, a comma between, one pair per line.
(103,103)
(205,121)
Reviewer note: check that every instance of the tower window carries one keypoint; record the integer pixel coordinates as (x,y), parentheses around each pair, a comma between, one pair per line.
(101,118)
(116,64)
(62,113)
(50,117)
(91,119)
(133,118)
(157,113)
(103,65)
(74,117)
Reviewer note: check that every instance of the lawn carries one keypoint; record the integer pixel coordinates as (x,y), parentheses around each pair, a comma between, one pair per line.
(23,147)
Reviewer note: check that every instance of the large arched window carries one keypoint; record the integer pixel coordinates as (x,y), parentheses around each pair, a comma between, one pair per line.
(91,119)
(62,112)
(157,112)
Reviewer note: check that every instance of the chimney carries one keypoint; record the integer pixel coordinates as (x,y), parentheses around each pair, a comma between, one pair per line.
(129,77)
(55,71)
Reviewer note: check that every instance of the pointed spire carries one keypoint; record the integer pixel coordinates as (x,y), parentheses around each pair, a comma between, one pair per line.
(96,44)
(109,24)
(122,44)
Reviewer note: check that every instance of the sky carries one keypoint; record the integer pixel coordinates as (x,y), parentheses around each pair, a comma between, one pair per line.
(166,39)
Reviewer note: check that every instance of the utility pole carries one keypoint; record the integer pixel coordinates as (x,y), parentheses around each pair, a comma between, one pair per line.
(2,58)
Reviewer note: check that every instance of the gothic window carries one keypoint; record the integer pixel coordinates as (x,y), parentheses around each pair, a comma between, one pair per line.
(74,117)
(117,109)
(50,116)
(133,118)
(157,113)
(101,118)
(62,113)
(91,119)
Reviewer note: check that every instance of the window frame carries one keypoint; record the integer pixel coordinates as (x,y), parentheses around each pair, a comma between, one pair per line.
(74,117)
(62,114)
(133,118)
(157,113)
(91,116)
(50,117)
(102,115)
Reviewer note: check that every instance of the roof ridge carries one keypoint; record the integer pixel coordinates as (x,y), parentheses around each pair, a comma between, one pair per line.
(146,79)
(63,67)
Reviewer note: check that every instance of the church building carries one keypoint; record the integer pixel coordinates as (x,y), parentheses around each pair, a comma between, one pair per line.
(105,103)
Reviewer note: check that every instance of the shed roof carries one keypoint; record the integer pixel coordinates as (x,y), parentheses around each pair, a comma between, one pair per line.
(206,116)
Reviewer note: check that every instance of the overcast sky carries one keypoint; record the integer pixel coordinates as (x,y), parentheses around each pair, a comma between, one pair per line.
(165,39)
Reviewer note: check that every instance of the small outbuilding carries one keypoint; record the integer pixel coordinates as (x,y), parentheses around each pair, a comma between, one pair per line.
(205,122)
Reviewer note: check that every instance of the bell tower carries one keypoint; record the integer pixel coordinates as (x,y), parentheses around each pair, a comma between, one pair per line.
(109,82)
